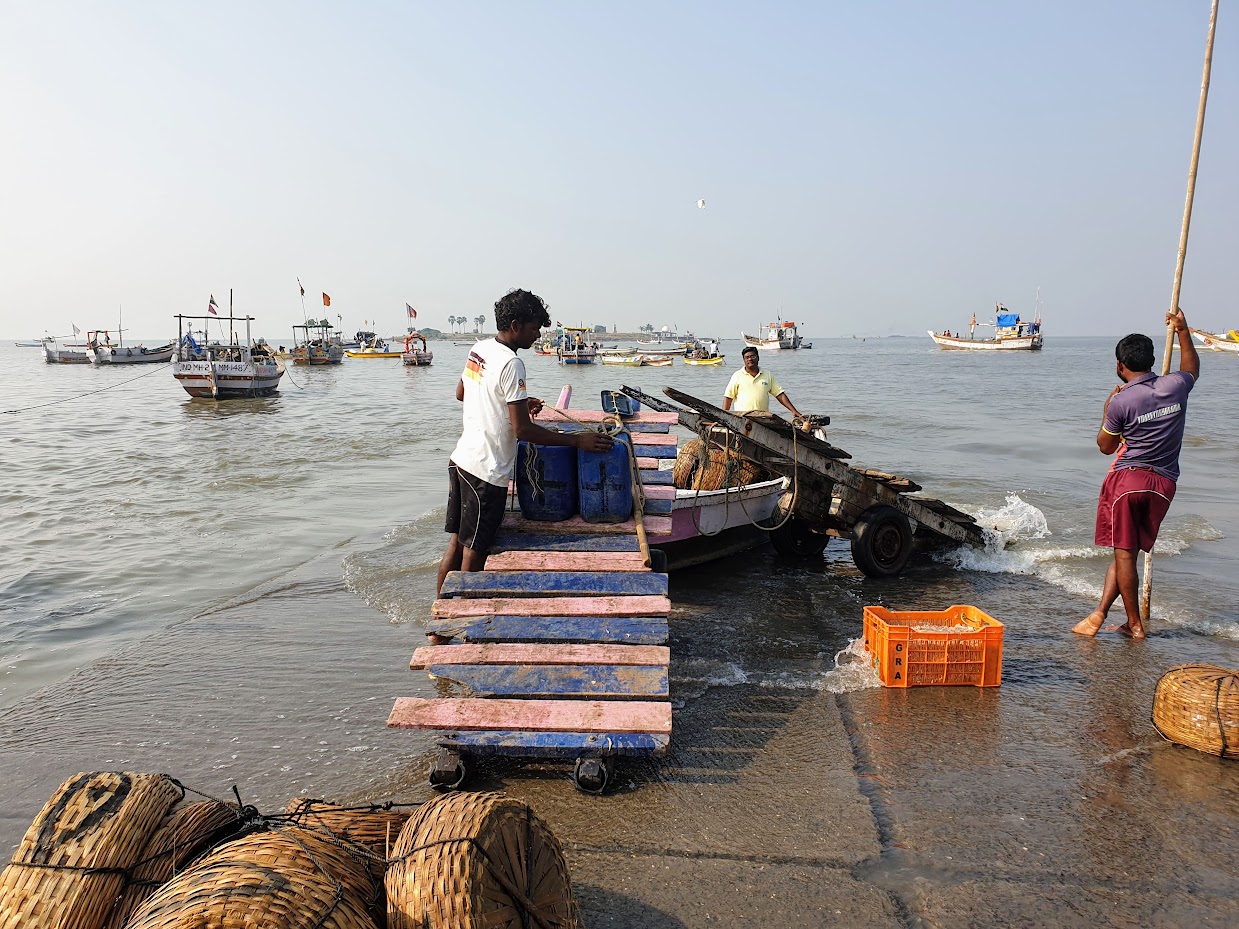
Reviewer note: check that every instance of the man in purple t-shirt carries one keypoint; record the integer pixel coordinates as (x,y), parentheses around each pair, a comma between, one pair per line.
(1143,421)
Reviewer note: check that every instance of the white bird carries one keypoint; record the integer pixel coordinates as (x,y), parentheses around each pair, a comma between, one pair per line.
(701,204)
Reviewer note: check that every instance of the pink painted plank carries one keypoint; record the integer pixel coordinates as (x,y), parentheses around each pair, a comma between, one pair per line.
(459,607)
(659,492)
(654,525)
(535,715)
(655,438)
(566,561)
(539,654)
(549,415)
(648,463)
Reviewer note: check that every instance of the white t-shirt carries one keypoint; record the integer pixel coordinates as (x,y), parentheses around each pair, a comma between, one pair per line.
(493,378)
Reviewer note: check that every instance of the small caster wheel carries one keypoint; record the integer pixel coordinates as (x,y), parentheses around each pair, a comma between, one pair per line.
(448,770)
(592,775)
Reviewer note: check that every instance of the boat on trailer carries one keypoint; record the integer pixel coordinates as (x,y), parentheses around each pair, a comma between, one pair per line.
(224,370)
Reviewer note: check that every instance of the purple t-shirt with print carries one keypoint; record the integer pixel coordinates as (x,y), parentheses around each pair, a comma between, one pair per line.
(1149,413)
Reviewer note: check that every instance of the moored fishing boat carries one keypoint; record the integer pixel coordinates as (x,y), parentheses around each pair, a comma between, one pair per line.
(1010,334)
(711,360)
(315,344)
(417,357)
(574,348)
(375,348)
(60,352)
(609,358)
(657,361)
(104,351)
(32,343)
(1217,343)
(224,370)
(780,336)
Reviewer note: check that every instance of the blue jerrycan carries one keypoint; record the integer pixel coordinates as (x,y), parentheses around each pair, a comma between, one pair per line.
(546,481)
(604,481)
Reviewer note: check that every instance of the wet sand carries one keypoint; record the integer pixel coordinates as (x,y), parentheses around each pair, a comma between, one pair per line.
(1049,802)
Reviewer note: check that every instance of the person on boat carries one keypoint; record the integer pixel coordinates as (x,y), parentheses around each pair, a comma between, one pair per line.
(1143,421)
(496,415)
(751,388)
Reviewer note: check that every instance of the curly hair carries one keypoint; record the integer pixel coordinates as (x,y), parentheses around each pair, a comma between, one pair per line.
(520,306)
(1135,351)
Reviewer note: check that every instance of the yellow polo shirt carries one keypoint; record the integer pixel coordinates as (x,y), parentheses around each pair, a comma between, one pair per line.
(752,393)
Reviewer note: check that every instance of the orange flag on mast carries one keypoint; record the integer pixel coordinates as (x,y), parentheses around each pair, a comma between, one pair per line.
(326,300)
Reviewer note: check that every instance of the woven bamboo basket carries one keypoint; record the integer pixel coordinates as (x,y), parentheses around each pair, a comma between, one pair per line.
(1198,705)
(720,468)
(474,860)
(72,862)
(375,829)
(190,830)
(288,878)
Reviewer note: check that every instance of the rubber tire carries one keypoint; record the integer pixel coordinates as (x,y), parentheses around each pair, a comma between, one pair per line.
(881,542)
(658,561)
(794,539)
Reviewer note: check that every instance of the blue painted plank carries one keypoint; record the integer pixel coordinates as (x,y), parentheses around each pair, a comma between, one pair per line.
(661,507)
(655,451)
(613,682)
(610,630)
(525,744)
(647,427)
(650,476)
(553,583)
(507,540)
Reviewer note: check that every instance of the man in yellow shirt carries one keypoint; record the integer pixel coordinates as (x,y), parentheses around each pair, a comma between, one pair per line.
(752,388)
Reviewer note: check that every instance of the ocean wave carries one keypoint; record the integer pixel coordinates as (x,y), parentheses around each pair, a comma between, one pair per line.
(853,670)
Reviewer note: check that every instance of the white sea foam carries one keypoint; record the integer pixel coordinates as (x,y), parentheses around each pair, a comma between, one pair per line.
(853,670)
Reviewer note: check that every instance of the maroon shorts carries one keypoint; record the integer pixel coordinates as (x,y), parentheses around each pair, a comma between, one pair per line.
(1131,508)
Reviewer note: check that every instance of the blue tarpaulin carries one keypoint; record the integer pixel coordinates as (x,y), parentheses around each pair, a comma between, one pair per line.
(1008,319)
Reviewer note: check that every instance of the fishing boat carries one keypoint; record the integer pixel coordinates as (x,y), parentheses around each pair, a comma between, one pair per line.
(574,348)
(632,361)
(657,361)
(1010,334)
(104,351)
(224,370)
(33,343)
(375,348)
(315,344)
(1217,343)
(711,360)
(780,336)
(417,357)
(58,351)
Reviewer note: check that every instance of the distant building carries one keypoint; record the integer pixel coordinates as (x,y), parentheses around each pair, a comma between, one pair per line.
(602,329)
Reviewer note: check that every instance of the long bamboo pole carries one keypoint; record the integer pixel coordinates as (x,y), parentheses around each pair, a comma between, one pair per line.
(1146,587)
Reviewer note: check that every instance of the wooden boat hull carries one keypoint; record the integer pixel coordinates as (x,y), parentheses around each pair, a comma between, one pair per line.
(318,356)
(717,360)
(1030,343)
(1215,343)
(365,354)
(133,354)
(657,362)
(713,511)
(632,361)
(418,359)
(55,355)
(227,380)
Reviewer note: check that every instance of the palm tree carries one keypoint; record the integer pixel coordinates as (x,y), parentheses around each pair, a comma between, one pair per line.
(453,320)
(481,321)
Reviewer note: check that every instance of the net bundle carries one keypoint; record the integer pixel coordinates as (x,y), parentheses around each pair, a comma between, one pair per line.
(712,467)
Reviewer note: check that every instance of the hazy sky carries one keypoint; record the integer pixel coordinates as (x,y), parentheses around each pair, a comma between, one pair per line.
(867,168)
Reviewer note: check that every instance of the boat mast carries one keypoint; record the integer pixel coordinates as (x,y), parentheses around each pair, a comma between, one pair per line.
(1146,589)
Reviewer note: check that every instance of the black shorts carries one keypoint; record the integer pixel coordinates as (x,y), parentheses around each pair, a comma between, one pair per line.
(474,508)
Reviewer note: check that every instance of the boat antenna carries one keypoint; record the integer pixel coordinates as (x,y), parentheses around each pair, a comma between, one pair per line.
(304,316)
(1146,589)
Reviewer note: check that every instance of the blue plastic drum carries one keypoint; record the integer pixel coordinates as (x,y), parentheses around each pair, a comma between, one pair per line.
(605,484)
(546,484)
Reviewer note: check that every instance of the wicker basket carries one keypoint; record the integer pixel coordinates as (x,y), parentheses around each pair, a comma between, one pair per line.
(721,468)
(374,828)
(1198,705)
(474,860)
(190,830)
(288,878)
(71,864)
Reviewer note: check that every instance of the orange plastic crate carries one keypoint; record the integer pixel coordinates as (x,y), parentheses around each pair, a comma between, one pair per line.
(969,652)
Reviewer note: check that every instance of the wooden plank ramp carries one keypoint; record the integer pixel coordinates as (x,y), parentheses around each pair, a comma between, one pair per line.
(558,648)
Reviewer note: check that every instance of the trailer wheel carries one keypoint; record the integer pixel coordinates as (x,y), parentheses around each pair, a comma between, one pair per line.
(881,541)
(794,539)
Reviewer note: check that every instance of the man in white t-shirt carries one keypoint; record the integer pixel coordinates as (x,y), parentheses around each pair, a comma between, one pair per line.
(497,410)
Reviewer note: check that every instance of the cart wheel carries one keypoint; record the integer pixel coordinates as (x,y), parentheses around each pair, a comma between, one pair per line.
(448,770)
(795,539)
(592,775)
(881,541)
(658,561)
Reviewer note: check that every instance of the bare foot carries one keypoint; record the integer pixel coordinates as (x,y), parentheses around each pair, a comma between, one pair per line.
(1089,624)
(1132,632)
